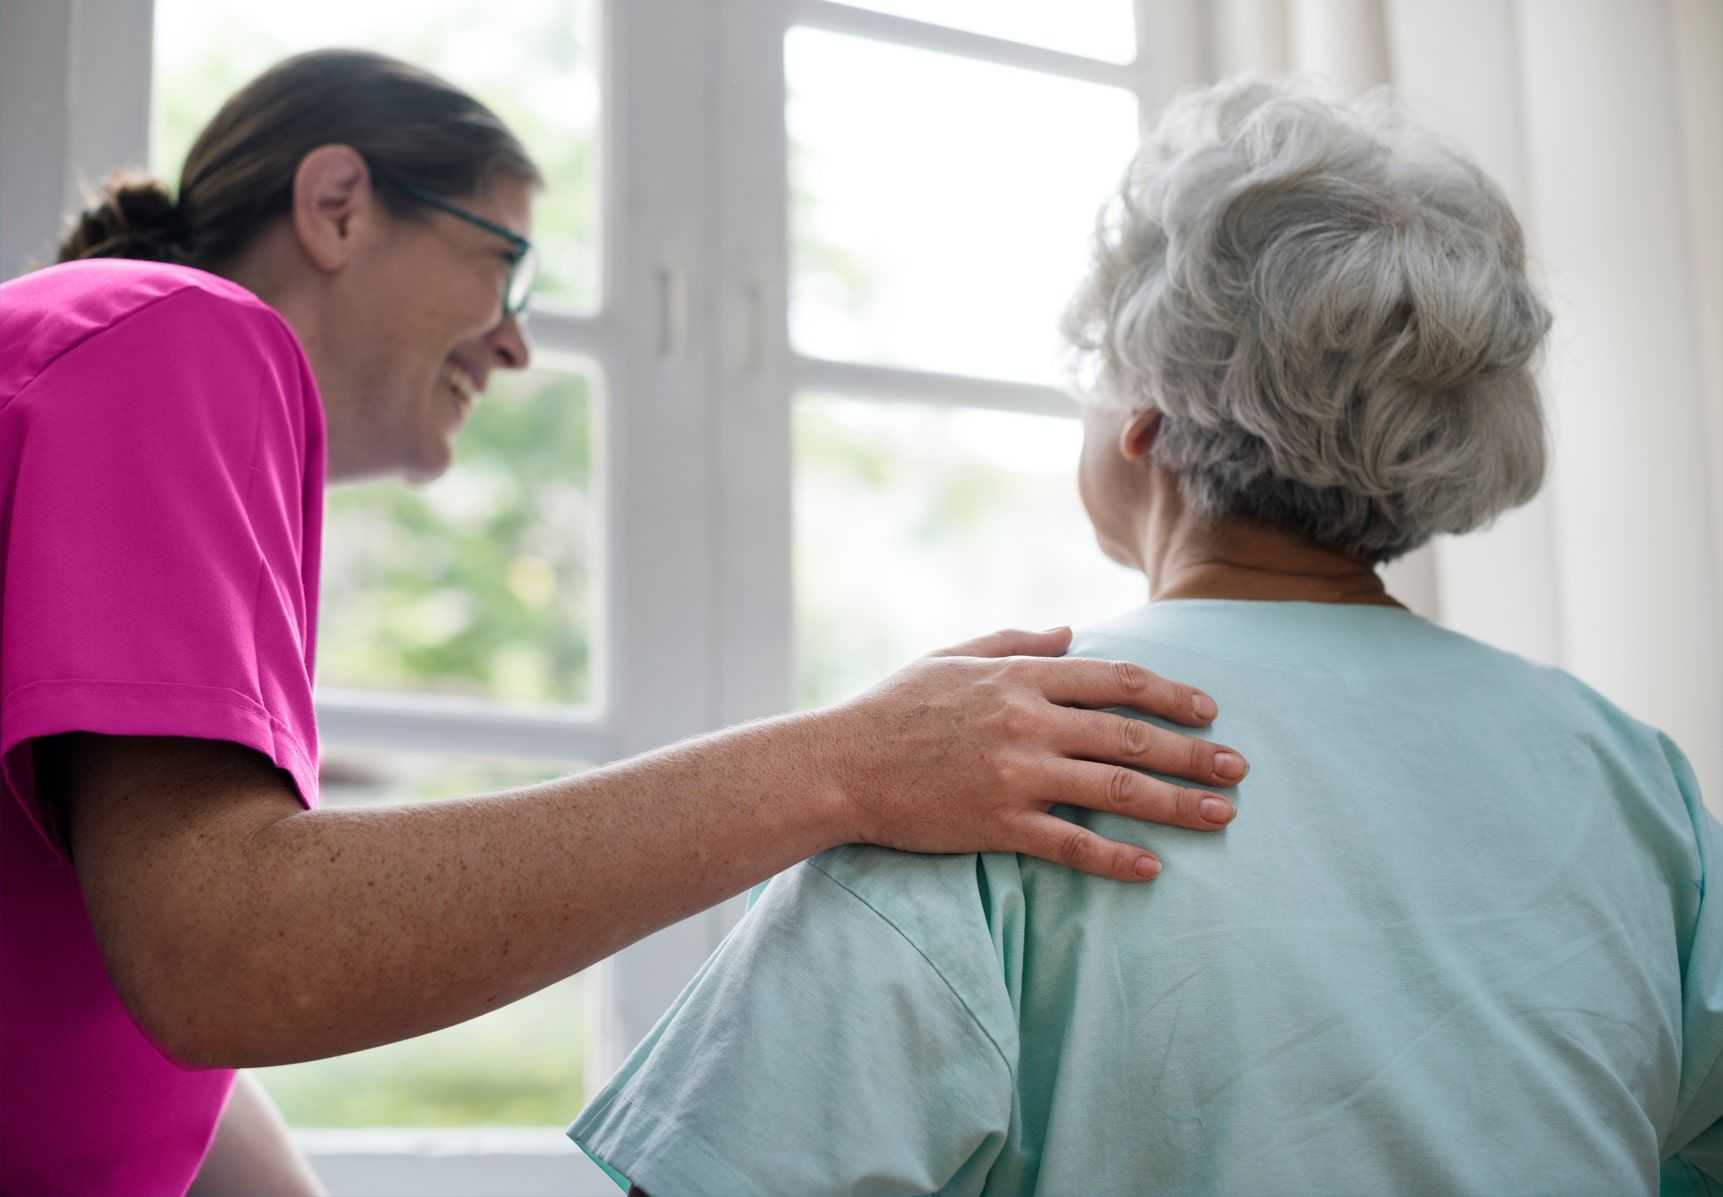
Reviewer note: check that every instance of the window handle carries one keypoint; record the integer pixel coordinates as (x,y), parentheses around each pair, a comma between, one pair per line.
(672,301)
(753,327)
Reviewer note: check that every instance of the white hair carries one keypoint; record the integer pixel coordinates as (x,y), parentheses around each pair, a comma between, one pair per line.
(1331,312)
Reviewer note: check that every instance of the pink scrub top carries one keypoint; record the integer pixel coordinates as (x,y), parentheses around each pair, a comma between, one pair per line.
(161,503)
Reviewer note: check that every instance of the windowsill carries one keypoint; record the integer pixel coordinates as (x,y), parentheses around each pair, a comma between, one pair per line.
(438,1140)
(457,1161)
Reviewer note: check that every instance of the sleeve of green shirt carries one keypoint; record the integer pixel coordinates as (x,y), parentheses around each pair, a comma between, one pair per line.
(1694,1148)
(819,1050)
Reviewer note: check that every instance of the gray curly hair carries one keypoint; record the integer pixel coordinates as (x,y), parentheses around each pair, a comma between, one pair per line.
(1331,312)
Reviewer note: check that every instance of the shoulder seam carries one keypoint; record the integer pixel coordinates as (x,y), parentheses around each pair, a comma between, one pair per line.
(934,968)
(80,342)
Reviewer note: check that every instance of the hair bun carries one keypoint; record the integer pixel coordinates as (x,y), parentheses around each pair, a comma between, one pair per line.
(133,216)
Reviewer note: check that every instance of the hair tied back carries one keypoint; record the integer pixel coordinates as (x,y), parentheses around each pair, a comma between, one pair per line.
(131,216)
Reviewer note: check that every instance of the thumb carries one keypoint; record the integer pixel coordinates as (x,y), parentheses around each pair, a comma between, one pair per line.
(1013,643)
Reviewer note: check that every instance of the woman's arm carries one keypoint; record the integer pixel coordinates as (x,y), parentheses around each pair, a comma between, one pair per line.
(253,1155)
(242,930)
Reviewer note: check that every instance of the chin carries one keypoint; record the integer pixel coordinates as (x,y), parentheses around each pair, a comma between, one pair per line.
(432,464)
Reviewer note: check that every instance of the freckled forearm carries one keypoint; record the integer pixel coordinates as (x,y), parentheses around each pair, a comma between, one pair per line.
(363,927)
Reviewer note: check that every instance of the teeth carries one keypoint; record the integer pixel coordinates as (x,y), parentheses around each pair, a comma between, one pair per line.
(460,381)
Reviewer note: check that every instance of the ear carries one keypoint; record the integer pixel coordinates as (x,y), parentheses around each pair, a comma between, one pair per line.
(333,205)
(1137,437)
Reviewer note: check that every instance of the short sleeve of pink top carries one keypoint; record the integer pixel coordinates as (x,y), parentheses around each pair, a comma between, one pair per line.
(161,481)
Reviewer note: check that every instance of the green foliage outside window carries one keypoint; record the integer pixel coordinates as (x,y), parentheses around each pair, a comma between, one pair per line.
(480,584)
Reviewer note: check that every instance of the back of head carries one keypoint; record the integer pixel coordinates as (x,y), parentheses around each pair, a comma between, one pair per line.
(410,126)
(1330,310)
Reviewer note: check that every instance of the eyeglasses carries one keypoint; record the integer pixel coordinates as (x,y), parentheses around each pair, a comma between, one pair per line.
(523,266)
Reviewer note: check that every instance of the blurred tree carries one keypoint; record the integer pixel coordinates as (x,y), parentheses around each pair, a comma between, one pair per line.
(481,583)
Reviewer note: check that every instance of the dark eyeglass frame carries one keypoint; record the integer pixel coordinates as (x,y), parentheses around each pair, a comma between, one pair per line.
(513,304)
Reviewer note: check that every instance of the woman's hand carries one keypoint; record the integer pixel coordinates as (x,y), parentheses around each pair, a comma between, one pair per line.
(968,749)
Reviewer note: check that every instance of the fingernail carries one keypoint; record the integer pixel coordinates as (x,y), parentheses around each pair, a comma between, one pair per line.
(1147,866)
(1204,706)
(1053,630)
(1229,764)
(1216,810)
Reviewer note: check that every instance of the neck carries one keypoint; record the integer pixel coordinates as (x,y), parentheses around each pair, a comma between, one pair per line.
(1235,558)
(266,269)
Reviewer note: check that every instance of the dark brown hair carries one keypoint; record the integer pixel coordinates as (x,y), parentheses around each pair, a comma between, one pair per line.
(410,125)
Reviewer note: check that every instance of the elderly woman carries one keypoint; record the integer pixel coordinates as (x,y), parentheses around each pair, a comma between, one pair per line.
(1461,941)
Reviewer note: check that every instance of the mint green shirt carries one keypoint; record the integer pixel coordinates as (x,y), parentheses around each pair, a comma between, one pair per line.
(1457,942)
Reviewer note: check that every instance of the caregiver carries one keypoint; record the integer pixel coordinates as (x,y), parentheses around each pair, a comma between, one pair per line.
(345,265)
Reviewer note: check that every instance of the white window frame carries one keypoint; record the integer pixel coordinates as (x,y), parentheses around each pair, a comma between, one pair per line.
(694,458)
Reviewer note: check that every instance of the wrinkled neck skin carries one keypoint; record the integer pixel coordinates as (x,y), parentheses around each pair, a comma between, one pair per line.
(1185,557)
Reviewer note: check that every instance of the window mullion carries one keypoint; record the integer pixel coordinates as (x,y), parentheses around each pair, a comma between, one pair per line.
(924,387)
(658,433)
(750,379)
(752,372)
(877,26)
(657,420)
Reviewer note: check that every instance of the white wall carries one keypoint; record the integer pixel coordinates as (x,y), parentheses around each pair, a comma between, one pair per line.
(1632,488)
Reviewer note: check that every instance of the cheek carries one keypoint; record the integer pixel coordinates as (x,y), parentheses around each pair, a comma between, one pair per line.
(1094,482)
(457,315)
(482,303)
(442,299)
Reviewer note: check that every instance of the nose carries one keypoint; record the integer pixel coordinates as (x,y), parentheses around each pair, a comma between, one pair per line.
(507,343)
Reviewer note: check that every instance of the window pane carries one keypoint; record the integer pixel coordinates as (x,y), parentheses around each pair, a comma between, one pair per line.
(482,583)
(918,527)
(942,223)
(534,62)
(522,1065)
(1101,29)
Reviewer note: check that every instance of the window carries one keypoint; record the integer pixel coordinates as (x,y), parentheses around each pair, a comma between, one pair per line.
(913,526)
(940,224)
(795,409)
(938,227)
(482,584)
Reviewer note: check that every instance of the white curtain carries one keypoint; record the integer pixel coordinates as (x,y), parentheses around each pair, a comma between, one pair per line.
(1603,122)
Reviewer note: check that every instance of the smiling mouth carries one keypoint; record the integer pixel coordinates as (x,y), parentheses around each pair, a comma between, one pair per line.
(460,384)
